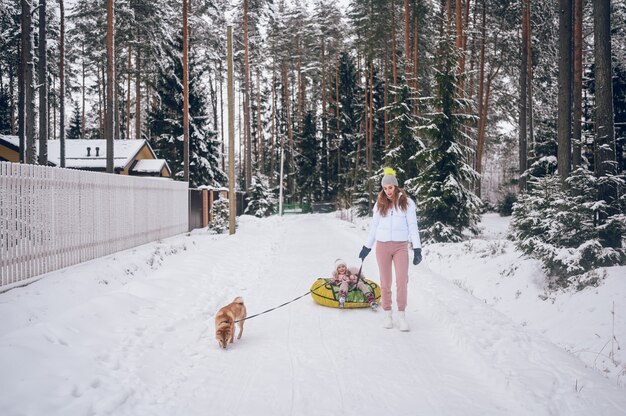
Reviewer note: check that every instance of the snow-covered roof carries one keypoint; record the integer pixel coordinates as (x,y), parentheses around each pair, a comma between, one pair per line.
(77,156)
(149,166)
(76,153)
(212,188)
(12,140)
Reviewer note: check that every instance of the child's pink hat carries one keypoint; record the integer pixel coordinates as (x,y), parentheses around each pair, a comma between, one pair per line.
(340,262)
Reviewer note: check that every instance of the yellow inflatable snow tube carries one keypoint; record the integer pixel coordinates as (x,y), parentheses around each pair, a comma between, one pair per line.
(327,294)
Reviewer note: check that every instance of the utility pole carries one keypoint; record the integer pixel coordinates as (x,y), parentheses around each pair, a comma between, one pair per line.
(232,208)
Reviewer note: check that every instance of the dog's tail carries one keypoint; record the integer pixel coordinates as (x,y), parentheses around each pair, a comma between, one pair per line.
(238,299)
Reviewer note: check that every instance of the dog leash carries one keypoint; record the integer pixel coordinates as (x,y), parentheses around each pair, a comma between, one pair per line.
(280,306)
(299,297)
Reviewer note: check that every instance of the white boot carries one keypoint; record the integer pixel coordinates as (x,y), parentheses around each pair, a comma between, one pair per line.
(387,320)
(402,325)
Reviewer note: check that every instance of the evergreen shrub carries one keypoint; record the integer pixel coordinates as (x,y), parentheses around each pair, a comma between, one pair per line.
(261,200)
(561,228)
(221,216)
(505,206)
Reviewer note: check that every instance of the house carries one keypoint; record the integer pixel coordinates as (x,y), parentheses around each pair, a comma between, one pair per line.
(131,157)
(9,149)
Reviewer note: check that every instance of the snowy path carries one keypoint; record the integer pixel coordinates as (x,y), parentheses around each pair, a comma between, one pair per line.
(142,343)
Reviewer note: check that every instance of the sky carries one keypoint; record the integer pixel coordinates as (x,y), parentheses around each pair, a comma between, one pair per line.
(133,333)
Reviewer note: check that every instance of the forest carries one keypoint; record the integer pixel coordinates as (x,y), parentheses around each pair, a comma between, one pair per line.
(515,106)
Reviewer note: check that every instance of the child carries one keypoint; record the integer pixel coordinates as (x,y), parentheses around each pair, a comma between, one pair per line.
(344,278)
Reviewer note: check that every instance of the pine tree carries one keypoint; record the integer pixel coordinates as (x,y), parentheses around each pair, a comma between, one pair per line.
(166,123)
(75,125)
(446,206)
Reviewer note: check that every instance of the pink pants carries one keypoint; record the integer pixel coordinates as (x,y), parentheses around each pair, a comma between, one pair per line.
(398,253)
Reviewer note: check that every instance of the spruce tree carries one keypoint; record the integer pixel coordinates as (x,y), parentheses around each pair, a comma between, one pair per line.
(166,118)
(75,125)
(347,111)
(307,161)
(261,201)
(220,216)
(404,143)
(559,226)
(446,205)
(5,112)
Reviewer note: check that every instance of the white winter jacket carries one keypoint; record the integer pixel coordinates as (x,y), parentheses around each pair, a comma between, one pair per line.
(397,225)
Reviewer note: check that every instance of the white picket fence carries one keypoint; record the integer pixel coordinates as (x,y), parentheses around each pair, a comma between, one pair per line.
(52,218)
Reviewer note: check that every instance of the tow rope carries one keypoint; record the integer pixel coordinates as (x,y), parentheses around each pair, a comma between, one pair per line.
(301,296)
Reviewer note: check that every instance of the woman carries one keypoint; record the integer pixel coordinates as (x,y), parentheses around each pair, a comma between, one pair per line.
(394,223)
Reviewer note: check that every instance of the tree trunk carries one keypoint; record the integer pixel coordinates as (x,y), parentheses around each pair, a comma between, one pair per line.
(116,108)
(259,119)
(386,103)
(415,59)
(62,83)
(578,83)
(82,117)
(466,23)
(564,123)
(288,118)
(393,44)
(21,90)
(370,141)
(213,91)
(273,128)
(185,92)
(529,113)
(52,105)
(523,100)
(325,144)
(138,94)
(128,77)
(605,134)
(483,124)
(29,93)
(459,44)
(246,97)
(110,83)
(337,110)
(407,39)
(299,89)
(367,114)
(222,117)
(473,53)
(43,86)
(101,102)
(12,93)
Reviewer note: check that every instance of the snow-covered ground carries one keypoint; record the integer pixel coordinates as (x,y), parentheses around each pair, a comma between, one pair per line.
(133,333)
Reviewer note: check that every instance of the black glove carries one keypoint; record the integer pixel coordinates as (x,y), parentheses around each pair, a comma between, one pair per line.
(417,256)
(364,252)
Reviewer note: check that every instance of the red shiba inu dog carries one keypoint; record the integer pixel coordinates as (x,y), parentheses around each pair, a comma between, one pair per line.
(225,321)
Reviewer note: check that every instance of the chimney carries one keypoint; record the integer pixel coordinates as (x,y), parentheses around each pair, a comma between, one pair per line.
(88,151)
(97,151)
